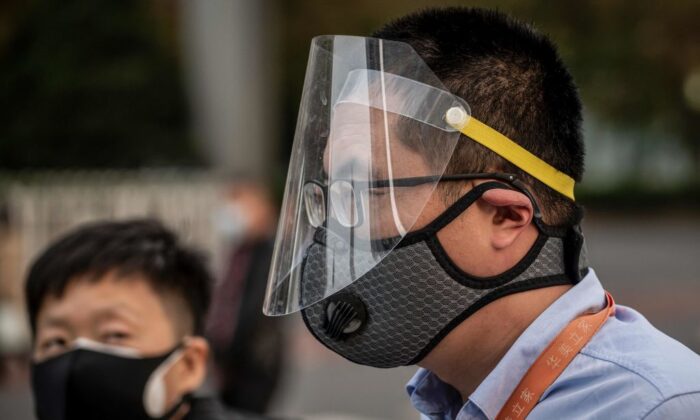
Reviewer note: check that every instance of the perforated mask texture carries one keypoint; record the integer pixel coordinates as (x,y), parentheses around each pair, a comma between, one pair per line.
(411,300)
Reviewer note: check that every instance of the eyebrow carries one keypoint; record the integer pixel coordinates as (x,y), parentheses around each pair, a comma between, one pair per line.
(120,311)
(55,322)
(113,311)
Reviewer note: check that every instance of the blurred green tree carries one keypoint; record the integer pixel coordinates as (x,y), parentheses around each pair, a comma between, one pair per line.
(90,84)
(632,61)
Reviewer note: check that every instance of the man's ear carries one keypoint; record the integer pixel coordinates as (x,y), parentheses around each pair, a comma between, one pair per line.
(512,213)
(189,372)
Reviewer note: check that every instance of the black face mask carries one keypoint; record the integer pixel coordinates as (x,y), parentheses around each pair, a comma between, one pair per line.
(401,308)
(93,384)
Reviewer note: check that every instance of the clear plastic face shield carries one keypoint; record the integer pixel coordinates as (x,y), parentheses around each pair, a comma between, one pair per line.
(370,146)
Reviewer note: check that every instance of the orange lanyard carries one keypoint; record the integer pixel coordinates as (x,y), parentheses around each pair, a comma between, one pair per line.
(552,362)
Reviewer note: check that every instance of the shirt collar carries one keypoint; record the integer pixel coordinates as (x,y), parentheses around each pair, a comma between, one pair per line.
(430,395)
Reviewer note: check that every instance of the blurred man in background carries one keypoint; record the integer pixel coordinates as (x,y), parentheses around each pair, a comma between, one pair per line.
(247,346)
(117,312)
(430,219)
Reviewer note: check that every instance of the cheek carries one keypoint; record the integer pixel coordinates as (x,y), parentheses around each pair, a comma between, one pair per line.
(163,325)
(467,244)
(422,212)
(155,336)
(410,210)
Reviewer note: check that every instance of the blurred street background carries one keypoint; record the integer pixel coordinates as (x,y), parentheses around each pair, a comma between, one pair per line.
(185,110)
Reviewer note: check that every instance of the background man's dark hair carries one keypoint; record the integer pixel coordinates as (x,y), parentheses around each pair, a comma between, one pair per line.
(513,80)
(142,247)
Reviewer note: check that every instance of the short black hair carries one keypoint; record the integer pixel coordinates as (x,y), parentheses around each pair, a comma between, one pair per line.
(142,246)
(514,80)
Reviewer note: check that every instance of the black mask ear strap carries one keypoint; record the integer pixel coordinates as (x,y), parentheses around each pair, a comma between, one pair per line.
(573,240)
(573,245)
(452,212)
(443,219)
(462,204)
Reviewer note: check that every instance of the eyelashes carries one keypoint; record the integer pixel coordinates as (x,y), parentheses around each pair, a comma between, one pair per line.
(114,337)
(54,345)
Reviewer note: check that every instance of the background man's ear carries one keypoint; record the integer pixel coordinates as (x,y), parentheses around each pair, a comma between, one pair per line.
(511,212)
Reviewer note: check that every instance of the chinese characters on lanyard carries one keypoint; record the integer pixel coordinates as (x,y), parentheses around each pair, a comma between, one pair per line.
(552,362)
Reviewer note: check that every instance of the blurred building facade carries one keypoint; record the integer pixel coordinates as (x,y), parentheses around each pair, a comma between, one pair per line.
(228,55)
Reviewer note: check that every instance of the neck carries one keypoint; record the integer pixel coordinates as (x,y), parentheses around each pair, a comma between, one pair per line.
(472,350)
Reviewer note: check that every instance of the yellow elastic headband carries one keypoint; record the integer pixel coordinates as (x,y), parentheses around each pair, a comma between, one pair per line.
(511,151)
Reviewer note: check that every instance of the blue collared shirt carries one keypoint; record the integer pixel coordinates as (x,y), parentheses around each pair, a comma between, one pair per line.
(629,370)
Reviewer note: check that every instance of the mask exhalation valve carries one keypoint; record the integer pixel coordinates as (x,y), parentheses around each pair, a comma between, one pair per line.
(345,315)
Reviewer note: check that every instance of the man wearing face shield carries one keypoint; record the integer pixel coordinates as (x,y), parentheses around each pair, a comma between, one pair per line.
(429,218)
